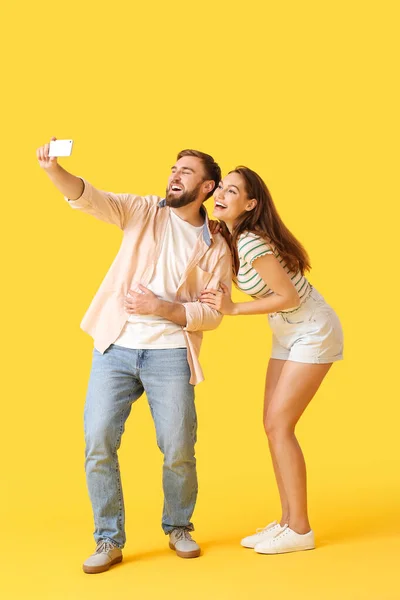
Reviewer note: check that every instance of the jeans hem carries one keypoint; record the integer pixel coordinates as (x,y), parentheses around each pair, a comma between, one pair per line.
(106,537)
(168,528)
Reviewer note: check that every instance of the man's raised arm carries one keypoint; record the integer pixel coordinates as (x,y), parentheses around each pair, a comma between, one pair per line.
(69,185)
(116,209)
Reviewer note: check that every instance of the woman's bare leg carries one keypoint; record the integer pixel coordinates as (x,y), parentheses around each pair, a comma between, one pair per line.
(296,386)
(274,371)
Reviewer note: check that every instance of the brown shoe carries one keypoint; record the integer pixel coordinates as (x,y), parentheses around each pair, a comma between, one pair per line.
(181,541)
(106,554)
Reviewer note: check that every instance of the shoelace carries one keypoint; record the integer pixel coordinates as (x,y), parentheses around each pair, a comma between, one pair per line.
(282,531)
(183,534)
(104,546)
(262,530)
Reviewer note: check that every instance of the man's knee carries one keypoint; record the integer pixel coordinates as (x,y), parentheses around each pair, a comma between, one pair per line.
(101,437)
(177,445)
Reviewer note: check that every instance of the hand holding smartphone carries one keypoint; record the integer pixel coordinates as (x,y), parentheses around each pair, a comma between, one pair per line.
(48,154)
(60,148)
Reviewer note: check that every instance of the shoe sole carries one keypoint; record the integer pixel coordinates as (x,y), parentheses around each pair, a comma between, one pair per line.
(102,568)
(252,546)
(286,551)
(192,554)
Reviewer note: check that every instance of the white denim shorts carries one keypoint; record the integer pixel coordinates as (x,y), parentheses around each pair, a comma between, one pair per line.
(311,333)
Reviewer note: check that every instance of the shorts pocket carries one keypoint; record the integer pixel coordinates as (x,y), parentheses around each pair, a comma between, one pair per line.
(298,317)
(294,320)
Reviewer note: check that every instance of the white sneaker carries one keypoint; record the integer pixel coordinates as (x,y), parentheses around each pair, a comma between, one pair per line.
(286,540)
(182,542)
(105,555)
(261,535)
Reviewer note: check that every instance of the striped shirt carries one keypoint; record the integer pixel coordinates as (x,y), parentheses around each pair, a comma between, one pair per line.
(252,246)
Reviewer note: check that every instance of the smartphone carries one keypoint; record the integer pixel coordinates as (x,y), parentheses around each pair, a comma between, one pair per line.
(61,148)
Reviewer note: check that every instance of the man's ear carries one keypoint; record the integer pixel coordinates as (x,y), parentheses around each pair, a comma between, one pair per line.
(208,186)
(251,204)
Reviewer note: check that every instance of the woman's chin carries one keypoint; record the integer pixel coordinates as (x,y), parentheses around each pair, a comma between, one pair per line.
(217,213)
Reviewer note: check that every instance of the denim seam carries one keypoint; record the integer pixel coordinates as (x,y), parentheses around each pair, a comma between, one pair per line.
(123,418)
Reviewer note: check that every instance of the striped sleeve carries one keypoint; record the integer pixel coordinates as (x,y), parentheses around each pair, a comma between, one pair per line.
(251,246)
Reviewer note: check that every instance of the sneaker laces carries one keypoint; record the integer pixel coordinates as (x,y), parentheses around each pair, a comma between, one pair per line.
(105,546)
(281,531)
(182,534)
(262,530)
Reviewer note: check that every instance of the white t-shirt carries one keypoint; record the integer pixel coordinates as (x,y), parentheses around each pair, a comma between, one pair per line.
(151,331)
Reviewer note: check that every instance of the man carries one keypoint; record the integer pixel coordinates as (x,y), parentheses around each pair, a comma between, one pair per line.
(147,326)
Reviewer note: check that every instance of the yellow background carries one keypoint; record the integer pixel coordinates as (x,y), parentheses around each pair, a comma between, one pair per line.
(305,93)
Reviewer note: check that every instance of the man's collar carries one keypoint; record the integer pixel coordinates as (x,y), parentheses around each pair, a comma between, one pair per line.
(207,236)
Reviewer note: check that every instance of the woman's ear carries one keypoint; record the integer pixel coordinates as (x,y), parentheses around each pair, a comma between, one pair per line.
(251,204)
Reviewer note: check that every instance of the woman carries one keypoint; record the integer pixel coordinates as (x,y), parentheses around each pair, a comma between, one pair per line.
(269,265)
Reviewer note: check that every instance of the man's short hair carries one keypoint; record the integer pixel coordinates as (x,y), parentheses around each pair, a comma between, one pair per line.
(211,168)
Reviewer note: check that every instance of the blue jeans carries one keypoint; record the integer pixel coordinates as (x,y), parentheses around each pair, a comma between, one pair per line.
(118,378)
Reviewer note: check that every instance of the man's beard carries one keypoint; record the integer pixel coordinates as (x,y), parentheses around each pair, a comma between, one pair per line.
(183,200)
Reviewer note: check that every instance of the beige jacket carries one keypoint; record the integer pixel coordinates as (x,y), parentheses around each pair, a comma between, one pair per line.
(143,220)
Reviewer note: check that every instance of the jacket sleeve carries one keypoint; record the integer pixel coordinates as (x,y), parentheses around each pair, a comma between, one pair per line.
(115,209)
(200,316)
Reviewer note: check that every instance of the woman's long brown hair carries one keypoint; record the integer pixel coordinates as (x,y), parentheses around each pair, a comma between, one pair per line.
(265,221)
